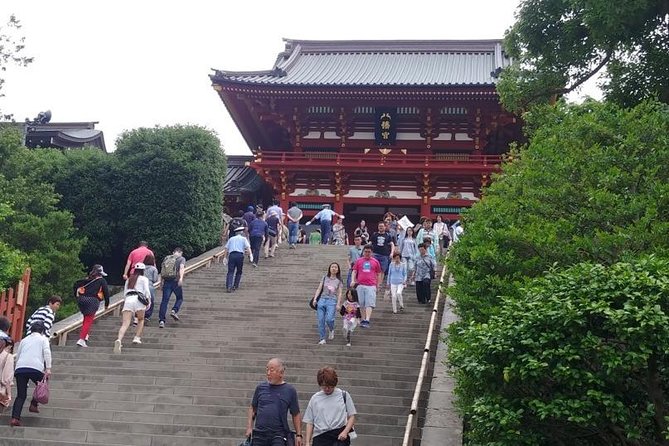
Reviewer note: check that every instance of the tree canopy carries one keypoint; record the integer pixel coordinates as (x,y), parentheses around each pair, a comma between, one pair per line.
(33,230)
(591,185)
(545,361)
(557,45)
(580,359)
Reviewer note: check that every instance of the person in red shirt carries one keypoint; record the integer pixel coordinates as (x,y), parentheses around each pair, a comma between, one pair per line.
(136,256)
(366,277)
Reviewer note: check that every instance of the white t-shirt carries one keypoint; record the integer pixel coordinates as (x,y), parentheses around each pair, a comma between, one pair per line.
(142,285)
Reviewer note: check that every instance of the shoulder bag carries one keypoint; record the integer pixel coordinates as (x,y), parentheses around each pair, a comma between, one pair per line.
(352,435)
(311,299)
(140,296)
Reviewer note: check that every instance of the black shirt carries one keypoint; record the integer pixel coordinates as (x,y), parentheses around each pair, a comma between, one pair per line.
(381,243)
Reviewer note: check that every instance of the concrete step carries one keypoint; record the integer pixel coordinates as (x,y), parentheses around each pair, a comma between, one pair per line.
(191,382)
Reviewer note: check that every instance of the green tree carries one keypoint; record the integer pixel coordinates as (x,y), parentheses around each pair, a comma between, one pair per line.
(34,228)
(12,262)
(88,182)
(557,45)
(171,189)
(579,359)
(592,185)
(11,48)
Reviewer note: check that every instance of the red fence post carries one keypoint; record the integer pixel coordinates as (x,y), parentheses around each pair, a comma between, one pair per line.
(13,305)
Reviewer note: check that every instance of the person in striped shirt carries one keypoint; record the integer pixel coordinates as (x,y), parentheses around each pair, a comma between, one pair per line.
(45,314)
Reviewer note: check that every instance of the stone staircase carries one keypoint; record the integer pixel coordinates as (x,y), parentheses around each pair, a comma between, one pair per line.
(191,382)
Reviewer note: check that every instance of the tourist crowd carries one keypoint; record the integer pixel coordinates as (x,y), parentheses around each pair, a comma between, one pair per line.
(381,263)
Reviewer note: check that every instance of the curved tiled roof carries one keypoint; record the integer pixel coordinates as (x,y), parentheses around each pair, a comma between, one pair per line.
(374,63)
(239,179)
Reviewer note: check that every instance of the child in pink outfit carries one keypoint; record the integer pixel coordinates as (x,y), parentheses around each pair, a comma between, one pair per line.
(350,312)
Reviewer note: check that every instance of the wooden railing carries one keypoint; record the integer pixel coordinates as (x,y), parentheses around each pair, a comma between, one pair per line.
(62,328)
(422,374)
(373,159)
(13,304)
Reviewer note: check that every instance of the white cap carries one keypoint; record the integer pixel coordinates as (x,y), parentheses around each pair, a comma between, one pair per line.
(140,265)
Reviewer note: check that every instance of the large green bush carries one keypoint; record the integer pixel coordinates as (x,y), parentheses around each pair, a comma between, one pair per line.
(579,359)
(592,185)
(170,188)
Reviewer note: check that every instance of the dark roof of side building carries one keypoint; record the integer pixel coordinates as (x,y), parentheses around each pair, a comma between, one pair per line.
(64,135)
(379,62)
(239,177)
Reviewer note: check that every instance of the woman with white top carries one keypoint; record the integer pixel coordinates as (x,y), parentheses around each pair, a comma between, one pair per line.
(330,414)
(33,363)
(135,286)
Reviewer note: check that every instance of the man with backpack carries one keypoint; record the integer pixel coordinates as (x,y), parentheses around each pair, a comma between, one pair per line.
(172,276)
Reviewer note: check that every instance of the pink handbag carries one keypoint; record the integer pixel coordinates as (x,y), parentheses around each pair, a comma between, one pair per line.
(41,392)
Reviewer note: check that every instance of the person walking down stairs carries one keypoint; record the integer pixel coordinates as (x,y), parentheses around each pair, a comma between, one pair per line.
(172,274)
(330,414)
(330,292)
(271,402)
(137,294)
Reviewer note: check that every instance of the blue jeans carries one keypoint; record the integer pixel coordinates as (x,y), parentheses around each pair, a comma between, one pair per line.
(293,230)
(170,286)
(384,261)
(326,231)
(326,314)
(148,313)
(235,266)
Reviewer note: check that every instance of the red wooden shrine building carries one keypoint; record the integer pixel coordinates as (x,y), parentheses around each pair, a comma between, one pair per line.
(414,127)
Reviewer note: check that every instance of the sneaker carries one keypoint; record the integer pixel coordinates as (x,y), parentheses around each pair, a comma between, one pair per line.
(255,265)
(15,422)
(82,343)
(117,346)
(161,324)
(364,324)
(147,320)
(321,342)
(174,315)
(401,309)
(348,344)
(136,340)
(331,335)
(394,312)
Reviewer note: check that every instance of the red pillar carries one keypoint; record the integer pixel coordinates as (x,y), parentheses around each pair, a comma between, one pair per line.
(339,206)
(425,207)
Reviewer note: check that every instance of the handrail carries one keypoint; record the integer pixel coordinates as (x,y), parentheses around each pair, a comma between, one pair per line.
(61,329)
(442,158)
(423,366)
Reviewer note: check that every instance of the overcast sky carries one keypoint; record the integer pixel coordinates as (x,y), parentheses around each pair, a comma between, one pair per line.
(141,63)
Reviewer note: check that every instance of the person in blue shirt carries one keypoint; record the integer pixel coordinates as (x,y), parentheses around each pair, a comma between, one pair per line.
(272,400)
(234,250)
(325,216)
(258,234)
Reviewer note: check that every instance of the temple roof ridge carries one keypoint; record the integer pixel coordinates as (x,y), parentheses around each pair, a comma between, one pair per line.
(378,63)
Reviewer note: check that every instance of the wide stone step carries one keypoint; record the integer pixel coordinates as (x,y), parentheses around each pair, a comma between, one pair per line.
(191,382)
